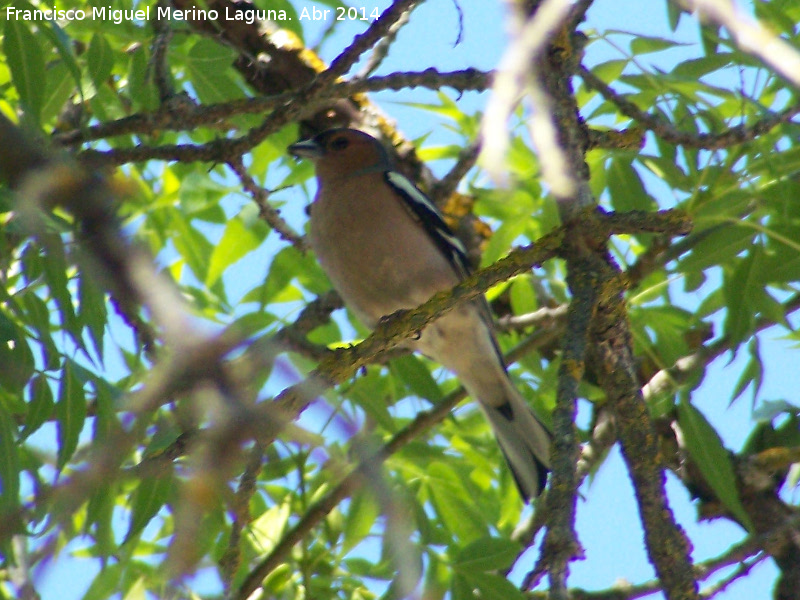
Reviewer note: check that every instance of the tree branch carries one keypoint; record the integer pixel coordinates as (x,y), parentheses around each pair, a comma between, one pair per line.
(187,117)
(732,136)
(265,210)
(752,37)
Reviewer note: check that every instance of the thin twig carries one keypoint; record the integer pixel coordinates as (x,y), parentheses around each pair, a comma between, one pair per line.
(732,136)
(267,212)
(381,49)
(467,158)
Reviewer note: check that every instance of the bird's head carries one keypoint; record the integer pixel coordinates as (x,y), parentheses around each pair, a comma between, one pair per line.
(342,153)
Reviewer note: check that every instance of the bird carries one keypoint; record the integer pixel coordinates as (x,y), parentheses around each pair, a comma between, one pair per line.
(385,248)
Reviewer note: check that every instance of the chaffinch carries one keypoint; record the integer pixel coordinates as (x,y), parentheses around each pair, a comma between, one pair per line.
(385,247)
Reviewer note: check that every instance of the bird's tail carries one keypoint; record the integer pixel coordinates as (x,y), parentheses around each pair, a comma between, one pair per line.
(524,442)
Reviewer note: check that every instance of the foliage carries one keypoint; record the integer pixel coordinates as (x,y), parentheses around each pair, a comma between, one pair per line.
(83,465)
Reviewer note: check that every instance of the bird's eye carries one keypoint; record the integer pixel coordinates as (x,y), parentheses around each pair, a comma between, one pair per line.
(339,143)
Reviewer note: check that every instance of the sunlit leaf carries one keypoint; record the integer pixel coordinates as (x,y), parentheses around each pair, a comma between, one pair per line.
(745,295)
(706,449)
(25,59)
(9,464)
(753,372)
(625,185)
(645,44)
(100,58)
(150,495)
(70,413)
(454,503)
(60,87)
(493,586)
(486,554)
(412,371)
(360,518)
(41,406)
(237,240)
(718,247)
(92,311)
(207,65)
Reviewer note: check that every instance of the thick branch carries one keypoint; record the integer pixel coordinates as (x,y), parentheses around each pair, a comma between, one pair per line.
(667,546)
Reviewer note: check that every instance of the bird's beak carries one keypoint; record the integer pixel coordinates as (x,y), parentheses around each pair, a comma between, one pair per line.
(306,149)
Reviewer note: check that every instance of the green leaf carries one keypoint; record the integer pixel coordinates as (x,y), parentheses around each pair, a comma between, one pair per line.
(237,241)
(764,436)
(491,586)
(92,311)
(26,62)
(447,109)
(486,554)
(70,413)
(60,86)
(461,589)
(268,528)
(523,295)
(208,64)
(670,325)
(371,392)
(782,265)
(9,463)
(626,188)
(56,275)
(710,37)
(286,266)
(674,12)
(63,43)
(769,409)
(610,70)
(100,59)
(16,359)
(437,577)
(200,195)
(37,313)
(745,295)
(38,318)
(503,237)
(752,373)
(100,514)
(141,90)
(644,45)
(361,516)
(706,449)
(106,422)
(108,582)
(454,504)
(41,406)
(193,246)
(412,371)
(137,591)
(150,495)
(719,247)
(694,69)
